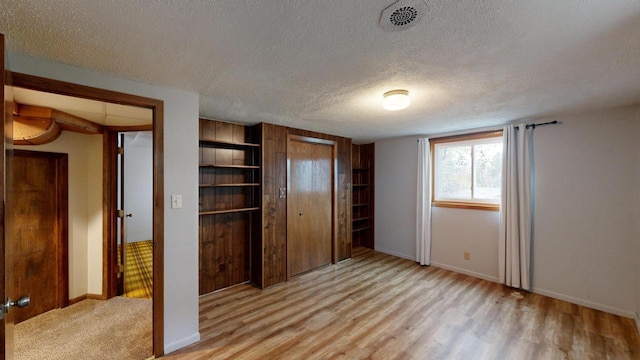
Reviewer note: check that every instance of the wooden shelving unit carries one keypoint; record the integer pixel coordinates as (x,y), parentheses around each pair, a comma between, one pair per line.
(229,199)
(363,195)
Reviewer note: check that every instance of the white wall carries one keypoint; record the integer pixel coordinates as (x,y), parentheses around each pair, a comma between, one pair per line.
(637,217)
(395,195)
(85,184)
(586,179)
(585,245)
(455,231)
(180,177)
(138,199)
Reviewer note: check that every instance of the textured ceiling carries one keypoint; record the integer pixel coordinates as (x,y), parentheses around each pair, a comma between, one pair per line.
(323,65)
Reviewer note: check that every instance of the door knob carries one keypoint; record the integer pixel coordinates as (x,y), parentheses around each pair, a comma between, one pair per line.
(23,302)
(129,215)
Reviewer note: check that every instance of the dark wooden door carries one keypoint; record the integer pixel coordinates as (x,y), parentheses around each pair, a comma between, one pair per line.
(309,204)
(39,221)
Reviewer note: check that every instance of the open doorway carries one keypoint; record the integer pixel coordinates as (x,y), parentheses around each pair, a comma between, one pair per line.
(134,217)
(155,107)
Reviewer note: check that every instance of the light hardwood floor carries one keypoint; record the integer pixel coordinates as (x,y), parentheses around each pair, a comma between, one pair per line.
(377,306)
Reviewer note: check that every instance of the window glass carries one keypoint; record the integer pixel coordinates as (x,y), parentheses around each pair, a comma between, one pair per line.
(455,179)
(467,170)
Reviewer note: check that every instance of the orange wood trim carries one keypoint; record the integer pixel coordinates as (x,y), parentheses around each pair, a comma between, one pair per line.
(95,297)
(334,203)
(63,225)
(86,92)
(432,170)
(148,127)
(466,205)
(77,299)
(32,111)
(458,204)
(157,106)
(66,121)
(463,137)
(109,201)
(34,131)
(3,137)
(75,123)
(158,229)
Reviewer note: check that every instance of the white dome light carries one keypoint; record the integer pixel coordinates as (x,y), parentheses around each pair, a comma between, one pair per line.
(396,100)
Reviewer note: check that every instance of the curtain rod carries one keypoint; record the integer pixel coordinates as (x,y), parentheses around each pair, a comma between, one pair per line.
(497,129)
(547,123)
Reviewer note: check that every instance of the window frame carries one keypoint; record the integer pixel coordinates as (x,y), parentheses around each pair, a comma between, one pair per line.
(459,204)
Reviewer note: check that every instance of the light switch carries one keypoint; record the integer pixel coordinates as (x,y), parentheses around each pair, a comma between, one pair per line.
(176,201)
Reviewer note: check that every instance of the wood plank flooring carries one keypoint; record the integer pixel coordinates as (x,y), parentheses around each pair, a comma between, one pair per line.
(377,306)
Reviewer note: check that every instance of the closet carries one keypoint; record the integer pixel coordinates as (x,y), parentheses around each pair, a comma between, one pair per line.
(311,186)
(246,188)
(269,248)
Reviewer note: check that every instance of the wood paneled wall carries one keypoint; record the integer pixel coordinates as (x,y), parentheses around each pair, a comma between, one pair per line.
(270,251)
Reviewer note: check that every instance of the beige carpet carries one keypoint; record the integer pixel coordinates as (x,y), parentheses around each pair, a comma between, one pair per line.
(119,328)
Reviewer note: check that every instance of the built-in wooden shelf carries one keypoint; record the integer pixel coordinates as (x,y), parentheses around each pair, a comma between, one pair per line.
(228,185)
(362,195)
(229,196)
(222,143)
(215,212)
(230,166)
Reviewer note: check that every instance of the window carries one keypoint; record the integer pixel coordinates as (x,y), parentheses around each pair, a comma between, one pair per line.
(467,171)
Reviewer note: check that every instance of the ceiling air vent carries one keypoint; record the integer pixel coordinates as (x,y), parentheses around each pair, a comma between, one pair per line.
(402,14)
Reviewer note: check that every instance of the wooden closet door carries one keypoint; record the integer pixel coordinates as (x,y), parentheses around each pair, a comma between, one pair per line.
(309,204)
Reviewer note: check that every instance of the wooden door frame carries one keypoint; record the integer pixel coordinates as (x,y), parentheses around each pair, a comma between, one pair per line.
(110,169)
(62,220)
(157,108)
(3,138)
(334,190)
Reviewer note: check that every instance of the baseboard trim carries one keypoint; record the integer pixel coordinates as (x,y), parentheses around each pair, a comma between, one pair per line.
(589,304)
(396,254)
(77,299)
(465,271)
(551,294)
(179,344)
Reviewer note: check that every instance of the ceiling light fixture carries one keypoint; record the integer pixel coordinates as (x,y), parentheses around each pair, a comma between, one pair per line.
(396,100)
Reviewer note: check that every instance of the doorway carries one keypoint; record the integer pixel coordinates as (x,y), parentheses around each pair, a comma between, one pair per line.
(310,203)
(156,106)
(134,217)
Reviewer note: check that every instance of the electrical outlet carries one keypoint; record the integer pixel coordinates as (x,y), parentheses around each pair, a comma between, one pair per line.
(467,255)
